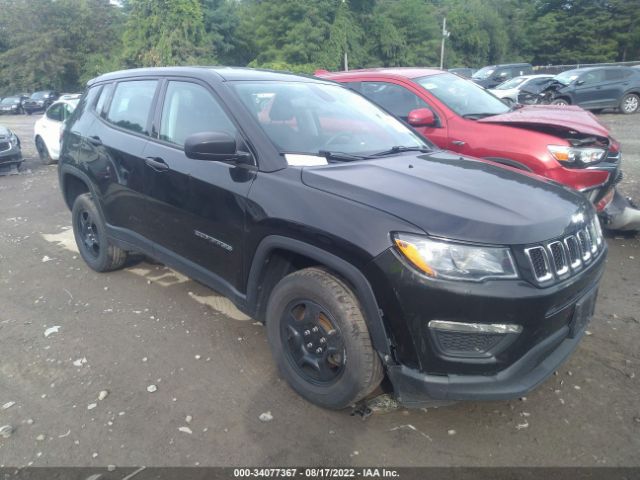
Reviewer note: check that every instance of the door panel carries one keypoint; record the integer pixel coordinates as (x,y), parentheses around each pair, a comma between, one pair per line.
(196,207)
(118,141)
(592,93)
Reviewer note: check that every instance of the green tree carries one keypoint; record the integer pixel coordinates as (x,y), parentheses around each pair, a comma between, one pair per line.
(46,44)
(165,32)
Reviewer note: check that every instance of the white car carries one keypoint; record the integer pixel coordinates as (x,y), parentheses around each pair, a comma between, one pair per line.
(511,88)
(48,129)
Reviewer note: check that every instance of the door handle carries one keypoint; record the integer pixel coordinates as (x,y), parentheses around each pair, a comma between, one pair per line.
(157,164)
(458,143)
(95,141)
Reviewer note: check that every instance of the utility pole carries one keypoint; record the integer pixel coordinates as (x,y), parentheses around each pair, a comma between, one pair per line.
(445,34)
(346,46)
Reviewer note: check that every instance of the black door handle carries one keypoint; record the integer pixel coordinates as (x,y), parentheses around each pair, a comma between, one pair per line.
(157,164)
(95,141)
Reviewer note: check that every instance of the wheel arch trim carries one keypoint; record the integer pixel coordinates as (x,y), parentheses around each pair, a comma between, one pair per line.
(353,275)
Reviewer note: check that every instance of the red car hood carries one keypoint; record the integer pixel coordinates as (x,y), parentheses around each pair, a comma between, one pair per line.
(561,117)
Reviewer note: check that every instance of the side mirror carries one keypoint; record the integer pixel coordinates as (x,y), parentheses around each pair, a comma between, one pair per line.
(214,146)
(579,82)
(421,117)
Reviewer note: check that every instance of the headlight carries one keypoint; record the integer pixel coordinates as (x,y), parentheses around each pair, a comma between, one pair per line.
(13,139)
(454,261)
(574,154)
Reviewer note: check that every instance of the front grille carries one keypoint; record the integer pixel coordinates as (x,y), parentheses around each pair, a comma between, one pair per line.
(4,146)
(455,342)
(561,258)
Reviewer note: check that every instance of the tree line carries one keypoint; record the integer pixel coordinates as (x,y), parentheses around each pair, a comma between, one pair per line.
(63,43)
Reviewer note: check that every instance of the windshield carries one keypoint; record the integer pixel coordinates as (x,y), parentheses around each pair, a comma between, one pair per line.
(483,73)
(309,118)
(38,95)
(567,77)
(462,96)
(513,83)
(10,101)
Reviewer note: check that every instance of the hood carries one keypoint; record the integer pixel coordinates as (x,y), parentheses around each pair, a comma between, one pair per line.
(456,197)
(561,117)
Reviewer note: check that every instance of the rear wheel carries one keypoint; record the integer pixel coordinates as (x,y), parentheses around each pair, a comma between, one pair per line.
(320,341)
(91,237)
(43,152)
(630,103)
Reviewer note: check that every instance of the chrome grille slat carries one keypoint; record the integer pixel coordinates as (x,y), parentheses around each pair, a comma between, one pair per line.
(562,258)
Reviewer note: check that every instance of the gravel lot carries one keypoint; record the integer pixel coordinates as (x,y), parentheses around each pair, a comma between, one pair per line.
(123,332)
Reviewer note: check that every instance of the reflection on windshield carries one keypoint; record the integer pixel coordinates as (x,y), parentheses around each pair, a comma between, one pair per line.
(462,96)
(308,118)
(38,95)
(513,83)
(567,77)
(483,73)
(10,101)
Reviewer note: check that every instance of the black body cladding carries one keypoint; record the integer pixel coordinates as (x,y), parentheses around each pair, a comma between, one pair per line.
(238,227)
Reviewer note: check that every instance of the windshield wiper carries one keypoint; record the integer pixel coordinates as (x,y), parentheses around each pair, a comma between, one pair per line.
(340,156)
(479,115)
(399,149)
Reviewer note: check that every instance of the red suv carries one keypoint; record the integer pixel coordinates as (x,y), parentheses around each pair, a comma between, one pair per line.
(566,144)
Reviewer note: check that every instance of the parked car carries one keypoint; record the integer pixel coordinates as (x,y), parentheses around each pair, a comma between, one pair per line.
(47,131)
(463,71)
(10,148)
(567,145)
(511,89)
(597,88)
(13,105)
(364,250)
(493,75)
(39,101)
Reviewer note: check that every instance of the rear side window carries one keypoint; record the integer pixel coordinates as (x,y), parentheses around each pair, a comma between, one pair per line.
(190,108)
(131,105)
(613,74)
(105,94)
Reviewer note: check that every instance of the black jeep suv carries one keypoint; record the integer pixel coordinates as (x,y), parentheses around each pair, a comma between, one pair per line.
(365,251)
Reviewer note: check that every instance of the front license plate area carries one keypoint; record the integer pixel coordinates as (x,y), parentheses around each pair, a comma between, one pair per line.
(582,313)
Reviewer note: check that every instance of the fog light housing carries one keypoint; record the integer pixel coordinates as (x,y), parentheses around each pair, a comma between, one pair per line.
(472,340)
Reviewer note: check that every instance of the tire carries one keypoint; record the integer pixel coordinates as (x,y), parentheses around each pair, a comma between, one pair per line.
(630,103)
(43,152)
(91,237)
(28,112)
(560,101)
(314,298)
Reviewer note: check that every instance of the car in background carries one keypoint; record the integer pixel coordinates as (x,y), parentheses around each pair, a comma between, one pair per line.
(597,88)
(69,96)
(510,90)
(12,105)
(10,148)
(40,101)
(567,144)
(493,75)
(463,71)
(47,131)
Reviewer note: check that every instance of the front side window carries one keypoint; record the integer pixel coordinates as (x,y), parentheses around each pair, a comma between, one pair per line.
(590,78)
(462,96)
(394,98)
(56,112)
(131,105)
(308,118)
(190,108)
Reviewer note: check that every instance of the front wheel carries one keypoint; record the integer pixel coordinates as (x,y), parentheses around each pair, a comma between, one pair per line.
(319,339)
(559,101)
(90,233)
(43,152)
(630,103)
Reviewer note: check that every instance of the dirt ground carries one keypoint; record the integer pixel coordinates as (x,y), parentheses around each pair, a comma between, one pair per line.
(67,334)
